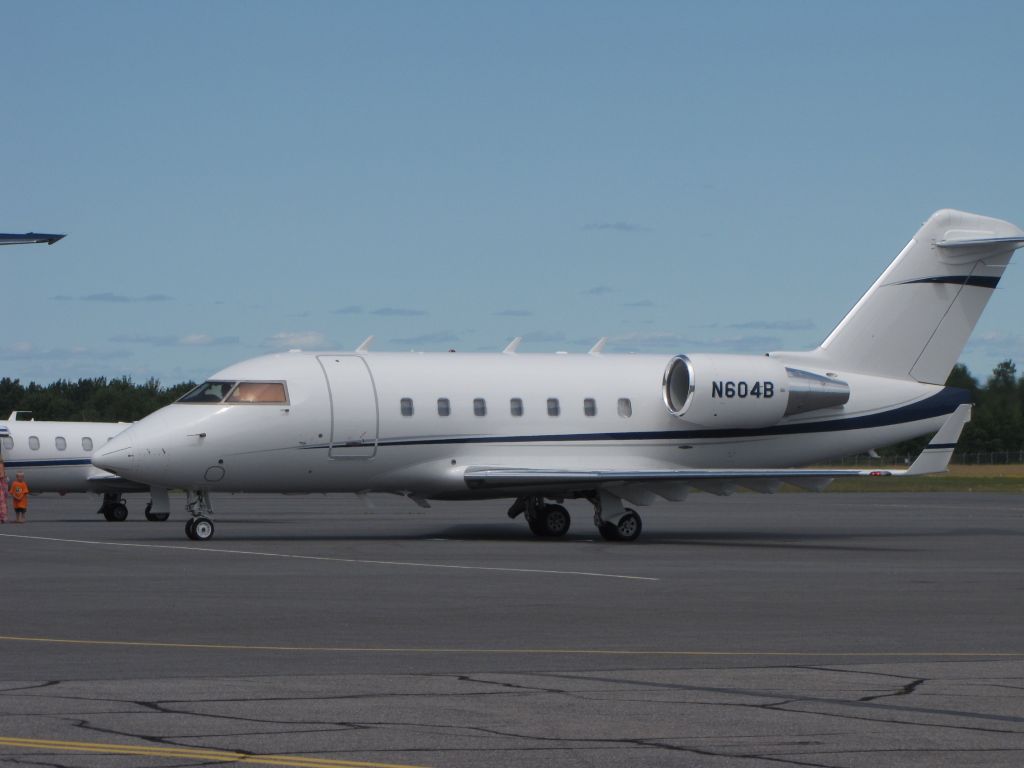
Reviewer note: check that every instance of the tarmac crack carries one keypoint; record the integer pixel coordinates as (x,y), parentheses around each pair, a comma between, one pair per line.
(905,690)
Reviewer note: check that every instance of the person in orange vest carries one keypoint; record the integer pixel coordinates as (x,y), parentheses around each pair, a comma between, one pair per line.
(19,492)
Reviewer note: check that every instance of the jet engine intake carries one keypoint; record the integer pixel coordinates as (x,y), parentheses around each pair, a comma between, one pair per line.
(745,391)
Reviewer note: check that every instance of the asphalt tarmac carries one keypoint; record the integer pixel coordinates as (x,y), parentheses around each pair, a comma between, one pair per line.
(798,629)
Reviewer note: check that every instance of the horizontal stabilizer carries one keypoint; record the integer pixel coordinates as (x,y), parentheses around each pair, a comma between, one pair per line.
(1018,241)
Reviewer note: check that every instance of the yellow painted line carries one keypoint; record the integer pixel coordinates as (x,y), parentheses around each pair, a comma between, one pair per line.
(507,651)
(197,753)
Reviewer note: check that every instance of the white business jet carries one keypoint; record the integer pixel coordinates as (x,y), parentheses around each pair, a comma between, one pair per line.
(543,428)
(56,457)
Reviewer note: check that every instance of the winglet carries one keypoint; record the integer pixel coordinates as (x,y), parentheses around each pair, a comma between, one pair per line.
(598,348)
(936,455)
(512,346)
(365,346)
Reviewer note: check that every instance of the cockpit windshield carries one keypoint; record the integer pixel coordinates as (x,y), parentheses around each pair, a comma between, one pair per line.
(208,392)
(258,392)
(247,392)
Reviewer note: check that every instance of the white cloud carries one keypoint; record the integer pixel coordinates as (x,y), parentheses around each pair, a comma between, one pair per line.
(296,340)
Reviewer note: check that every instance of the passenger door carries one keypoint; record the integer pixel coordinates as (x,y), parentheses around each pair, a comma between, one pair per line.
(354,417)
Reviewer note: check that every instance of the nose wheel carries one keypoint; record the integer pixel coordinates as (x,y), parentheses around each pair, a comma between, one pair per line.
(199,528)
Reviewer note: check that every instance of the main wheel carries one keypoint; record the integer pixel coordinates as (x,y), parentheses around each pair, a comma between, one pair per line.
(190,528)
(202,529)
(555,520)
(116,513)
(629,526)
(608,532)
(155,516)
(536,521)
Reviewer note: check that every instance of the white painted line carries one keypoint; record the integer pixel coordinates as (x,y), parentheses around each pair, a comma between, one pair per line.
(201,548)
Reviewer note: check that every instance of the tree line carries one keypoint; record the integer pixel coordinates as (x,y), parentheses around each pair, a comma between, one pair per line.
(997,423)
(98,399)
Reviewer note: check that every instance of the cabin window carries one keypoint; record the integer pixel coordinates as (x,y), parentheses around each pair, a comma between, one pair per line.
(61,443)
(266,392)
(8,442)
(625,407)
(479,406)
(516,406)
(444,406)
(208,392)
(589,407)
(553,407)
(86,443)
(33,443)
(407,406)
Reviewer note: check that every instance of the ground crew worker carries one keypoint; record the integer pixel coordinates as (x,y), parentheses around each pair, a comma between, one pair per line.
(19,492)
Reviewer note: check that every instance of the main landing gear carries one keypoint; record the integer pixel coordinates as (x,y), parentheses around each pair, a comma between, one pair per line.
(614,522)
(113,508)
(544,519)
(199,527)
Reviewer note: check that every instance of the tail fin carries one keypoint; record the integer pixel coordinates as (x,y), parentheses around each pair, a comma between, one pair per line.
(914,321)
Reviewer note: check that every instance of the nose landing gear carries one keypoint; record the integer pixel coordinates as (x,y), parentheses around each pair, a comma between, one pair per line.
(199,527)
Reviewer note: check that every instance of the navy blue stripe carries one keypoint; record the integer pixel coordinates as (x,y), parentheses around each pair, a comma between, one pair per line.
(939,404)
(47,463)
(979,281)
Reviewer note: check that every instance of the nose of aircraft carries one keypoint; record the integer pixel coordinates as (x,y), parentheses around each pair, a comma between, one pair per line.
(117,455)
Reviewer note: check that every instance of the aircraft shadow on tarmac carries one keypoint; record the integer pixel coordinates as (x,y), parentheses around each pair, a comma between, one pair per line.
(846,540)
(514,534)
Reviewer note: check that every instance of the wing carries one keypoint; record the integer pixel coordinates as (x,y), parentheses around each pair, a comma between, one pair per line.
(29,237)
(642,485)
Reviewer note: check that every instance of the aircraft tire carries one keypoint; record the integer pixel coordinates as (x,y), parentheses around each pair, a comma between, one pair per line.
(190,528)
(116,513)
(157,517)
(555,520)
(536,521)
(202,528)
(608,532)
(629,526)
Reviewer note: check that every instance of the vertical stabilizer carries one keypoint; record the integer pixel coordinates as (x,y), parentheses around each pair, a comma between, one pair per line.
(914,321)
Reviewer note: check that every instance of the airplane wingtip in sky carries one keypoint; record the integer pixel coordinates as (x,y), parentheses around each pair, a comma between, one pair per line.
(542,429)
(29,237)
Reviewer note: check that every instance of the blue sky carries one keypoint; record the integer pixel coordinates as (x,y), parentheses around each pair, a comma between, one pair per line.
(239,177)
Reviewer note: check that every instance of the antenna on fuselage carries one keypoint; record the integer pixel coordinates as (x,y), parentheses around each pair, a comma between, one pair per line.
(365,346)
(512,346)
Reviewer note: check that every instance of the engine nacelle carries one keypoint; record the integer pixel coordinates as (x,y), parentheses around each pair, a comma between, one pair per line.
(744,390)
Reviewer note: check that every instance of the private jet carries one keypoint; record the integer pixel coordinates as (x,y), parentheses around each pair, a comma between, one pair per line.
(610,429)
(56,457)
